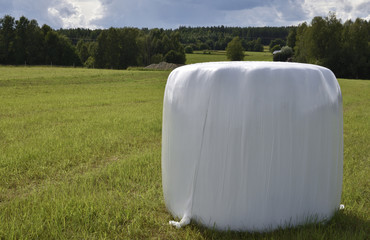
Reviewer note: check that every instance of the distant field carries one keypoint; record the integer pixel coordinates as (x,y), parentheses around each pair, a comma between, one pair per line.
(80,158)
(217,56)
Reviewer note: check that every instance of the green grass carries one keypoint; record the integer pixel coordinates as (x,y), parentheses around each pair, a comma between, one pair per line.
(80,159)
(217,56)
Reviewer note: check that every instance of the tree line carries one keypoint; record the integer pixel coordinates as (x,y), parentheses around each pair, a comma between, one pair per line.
(119,48)
(342,47)
(217,38)
(202,38)
(22,41)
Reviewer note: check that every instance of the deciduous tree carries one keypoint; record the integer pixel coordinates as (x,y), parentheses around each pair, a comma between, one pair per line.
(234,50)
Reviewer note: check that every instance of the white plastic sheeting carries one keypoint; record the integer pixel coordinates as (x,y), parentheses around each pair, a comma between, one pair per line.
(252,145)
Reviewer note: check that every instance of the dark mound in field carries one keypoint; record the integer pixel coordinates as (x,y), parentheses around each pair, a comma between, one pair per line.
(163,66)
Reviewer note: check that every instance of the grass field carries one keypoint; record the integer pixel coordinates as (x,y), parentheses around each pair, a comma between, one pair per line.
(80,154)
(217,56)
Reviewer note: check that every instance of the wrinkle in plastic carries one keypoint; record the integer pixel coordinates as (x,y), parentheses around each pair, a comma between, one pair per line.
(252,145)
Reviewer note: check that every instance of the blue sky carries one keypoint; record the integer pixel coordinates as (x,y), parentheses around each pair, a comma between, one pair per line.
(175,13)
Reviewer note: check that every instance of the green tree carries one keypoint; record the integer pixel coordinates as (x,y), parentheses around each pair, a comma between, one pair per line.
(356,49)
(82,50)
(23,41)
(90,62)
(175,57)
(92,47)
(129,48)
(275,48)
(117,48)
(35,43)
(20,40)
(320,43)
(292,37)
(59,49)
(343,48)
(275,42)
(51,46)
(144,45)
(258,47)
(67,53)
(284,54)
(107,52)
(249,36)
(324,38)
(188,49)
(177,48)
(7,38)
(166,44)
(29,42)
(234,50)
(301,47)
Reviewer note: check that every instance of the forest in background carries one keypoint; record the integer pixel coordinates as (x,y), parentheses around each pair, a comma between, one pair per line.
(342,47)
(22,41)
(201,38)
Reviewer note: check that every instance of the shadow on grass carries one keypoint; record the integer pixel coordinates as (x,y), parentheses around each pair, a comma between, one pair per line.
(343,225)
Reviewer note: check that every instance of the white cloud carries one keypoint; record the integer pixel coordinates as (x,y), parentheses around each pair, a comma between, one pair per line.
(362,10)
(56,13)
(173,13)
(74,13)
(344,9)
(277,13)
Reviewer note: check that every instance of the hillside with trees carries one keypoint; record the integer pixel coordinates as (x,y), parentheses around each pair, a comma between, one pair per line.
(217,38)
(234,50)
(343,48)
(202,38)
(24,42)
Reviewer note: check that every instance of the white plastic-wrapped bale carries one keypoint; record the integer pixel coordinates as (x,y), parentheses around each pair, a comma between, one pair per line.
(252,146)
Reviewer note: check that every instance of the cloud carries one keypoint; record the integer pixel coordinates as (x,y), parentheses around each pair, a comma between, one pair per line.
(363,10)
(56,13)
(5,6)
(66,12)
(74,13)
(30,9)
(290,11)
(344,9)
(175,13)
(229,5)
(170,13)
(156,13)
(63,13)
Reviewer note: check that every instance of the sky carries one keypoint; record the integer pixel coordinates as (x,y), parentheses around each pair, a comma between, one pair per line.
(174,13)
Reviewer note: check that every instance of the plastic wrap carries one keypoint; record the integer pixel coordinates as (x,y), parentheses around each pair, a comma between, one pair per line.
(252,145)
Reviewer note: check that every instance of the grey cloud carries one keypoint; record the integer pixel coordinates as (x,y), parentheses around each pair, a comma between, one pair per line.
(223,5)
(364,7)
(107,2)
(37,9)
(5,7)
(347,8)
(67,11)
(291,10)
(150,13)
(173,13)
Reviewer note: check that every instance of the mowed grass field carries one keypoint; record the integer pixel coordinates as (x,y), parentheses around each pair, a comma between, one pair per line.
(80,158)
(218,56)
